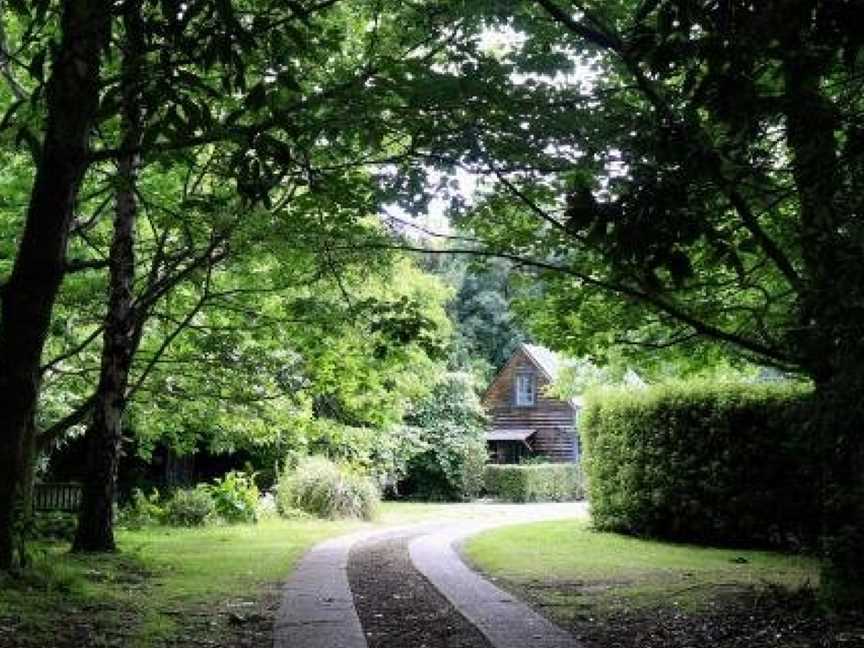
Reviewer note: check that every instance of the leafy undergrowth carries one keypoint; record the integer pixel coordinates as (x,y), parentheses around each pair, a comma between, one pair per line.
(215,586)
(618,592)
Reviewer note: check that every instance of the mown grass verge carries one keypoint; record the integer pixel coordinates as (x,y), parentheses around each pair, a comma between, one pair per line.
(175,586)
(575,571)
(163,583)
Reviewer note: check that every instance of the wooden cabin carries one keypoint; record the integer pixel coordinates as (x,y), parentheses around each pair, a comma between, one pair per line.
(525,421)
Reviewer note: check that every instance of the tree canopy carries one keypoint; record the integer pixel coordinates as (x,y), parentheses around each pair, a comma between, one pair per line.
(192,195)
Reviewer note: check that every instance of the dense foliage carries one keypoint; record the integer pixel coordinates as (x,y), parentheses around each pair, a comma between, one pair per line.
(686,179)
(142,510)
(177,162)
(320,487)
(188,188)
(486,331)
(232,498)
(541,482)
(190,507)
(713,463)
(449,422)
(235,497)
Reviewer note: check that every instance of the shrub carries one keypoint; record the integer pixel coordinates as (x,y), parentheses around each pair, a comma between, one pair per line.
(142,511)
(235,497)
(55,525)
(722,464)
(533,482)
(190,507)
(320,487)
(450,424)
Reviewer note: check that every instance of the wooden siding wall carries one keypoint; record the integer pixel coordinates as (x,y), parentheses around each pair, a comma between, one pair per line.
(552,418)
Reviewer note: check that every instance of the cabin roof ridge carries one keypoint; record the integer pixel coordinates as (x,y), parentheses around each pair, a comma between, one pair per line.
(549,361)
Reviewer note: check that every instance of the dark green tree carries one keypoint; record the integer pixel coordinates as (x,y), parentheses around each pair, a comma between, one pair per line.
(684,171)
(72,103)
(486,327)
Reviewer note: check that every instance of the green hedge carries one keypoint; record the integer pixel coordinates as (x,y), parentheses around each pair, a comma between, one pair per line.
(711,463)
(533,483)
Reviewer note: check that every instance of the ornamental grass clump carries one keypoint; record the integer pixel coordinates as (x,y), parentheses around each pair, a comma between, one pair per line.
(320,487)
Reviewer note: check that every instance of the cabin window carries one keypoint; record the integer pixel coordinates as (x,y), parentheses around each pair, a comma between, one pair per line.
(526,390)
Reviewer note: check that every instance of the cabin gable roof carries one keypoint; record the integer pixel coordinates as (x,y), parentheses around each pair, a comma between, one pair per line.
(547,363)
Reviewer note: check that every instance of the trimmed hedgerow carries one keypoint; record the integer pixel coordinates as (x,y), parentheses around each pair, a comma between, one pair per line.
(730,464)
(533,482)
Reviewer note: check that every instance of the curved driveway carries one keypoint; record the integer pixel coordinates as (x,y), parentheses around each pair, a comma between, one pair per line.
(317,610)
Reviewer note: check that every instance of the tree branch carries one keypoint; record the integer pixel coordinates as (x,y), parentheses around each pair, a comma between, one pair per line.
(51,435)
(673,310)
(612,42)
(205,295)
(79,265)
(73,351)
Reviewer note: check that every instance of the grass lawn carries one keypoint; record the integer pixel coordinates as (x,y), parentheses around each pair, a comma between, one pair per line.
(573,571)
(160,578)
(166,582)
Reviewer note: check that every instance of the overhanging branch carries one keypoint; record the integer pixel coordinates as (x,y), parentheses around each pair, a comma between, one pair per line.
(677,312)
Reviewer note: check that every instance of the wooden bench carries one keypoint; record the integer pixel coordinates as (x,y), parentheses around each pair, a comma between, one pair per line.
(64,497)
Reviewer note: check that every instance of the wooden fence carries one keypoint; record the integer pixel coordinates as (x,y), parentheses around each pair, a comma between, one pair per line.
(57,497)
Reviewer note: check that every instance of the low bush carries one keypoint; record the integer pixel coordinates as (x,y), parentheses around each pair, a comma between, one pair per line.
(55,525)
(142,510)
(321,487)
(235,497)
(190,507)
(550,482)
(711,463)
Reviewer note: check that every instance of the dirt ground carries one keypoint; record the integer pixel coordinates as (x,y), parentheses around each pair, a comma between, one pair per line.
(398,607)
(741,618)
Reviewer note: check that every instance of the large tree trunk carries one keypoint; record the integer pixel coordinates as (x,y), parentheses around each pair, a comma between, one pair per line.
(831,331)
(28,297)
(105,433)
(840,422)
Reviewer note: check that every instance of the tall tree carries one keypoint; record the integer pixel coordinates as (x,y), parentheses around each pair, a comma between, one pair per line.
(687,170)
(486,329)
(288,100)
(122,331)
(72,101)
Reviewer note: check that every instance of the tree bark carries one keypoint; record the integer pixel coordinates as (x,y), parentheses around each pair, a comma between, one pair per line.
(839,423)
(831,330)
(104,435)
(28,297)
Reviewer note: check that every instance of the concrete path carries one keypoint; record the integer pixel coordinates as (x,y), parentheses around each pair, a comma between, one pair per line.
(318,610)
(505,621)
